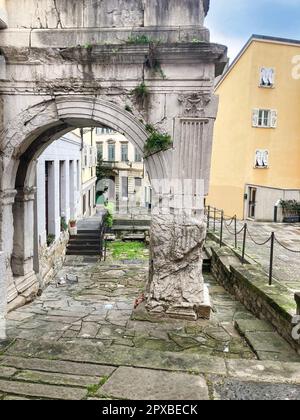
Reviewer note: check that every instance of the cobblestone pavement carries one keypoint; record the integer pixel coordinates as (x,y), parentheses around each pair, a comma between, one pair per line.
(286,263)
(79,341)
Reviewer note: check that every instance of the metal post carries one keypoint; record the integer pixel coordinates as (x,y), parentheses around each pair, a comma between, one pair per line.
(221,231)
(215,215)
(235,233)
(208,217)
(271,258)
(297,299)
(244,243)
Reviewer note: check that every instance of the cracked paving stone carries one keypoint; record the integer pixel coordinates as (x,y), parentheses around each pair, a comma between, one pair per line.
(136,384)
(89,330)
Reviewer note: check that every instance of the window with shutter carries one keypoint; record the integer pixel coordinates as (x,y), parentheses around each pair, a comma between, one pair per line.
(273,118)
(255,115)
(264,118)
(267,77)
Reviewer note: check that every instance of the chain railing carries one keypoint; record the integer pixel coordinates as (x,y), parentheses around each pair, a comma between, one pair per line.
(216,217)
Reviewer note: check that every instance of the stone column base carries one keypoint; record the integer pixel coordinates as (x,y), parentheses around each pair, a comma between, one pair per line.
(23,290)
(176,288)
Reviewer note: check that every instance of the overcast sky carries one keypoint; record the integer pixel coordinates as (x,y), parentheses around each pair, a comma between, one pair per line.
(232,22)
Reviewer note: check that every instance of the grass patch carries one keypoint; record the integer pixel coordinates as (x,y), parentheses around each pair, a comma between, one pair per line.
(128,250)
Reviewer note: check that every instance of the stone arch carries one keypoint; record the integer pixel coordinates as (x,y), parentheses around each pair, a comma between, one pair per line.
(42,123)
(24,140)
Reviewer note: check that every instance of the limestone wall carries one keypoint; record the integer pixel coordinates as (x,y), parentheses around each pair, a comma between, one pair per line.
(51,14)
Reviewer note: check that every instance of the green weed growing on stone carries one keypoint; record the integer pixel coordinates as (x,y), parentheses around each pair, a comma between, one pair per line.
(109,217)
(141,93)
(156,142)
(128,250)
(138,40)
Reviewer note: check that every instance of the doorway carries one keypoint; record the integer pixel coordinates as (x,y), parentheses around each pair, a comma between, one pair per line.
(252,202)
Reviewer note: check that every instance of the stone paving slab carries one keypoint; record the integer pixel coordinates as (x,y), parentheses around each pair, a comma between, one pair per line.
(139,384)
(267,342)
(235,390)
(7,372)
(42,391)
(245,325)
(119,356)
(57,366)
(57,378)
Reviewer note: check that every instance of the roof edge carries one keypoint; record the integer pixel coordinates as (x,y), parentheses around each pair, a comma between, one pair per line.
(255,37)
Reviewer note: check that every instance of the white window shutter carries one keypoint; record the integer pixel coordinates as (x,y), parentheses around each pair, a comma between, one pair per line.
(255,116)
(274,118)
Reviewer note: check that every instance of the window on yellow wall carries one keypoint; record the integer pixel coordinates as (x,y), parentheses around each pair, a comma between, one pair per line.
(267,77)
(261,159)
(264,118)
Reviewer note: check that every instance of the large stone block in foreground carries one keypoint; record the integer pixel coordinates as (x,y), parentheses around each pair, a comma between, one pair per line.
(176,287)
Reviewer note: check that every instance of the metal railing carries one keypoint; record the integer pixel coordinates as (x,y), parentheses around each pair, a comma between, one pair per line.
(103,241)
(216,217)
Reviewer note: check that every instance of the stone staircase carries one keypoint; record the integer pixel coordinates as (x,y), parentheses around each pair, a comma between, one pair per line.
(88,238)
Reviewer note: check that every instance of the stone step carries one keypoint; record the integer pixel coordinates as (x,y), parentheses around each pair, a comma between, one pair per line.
(88,232)
(76,246)
(83,252)
(84,241)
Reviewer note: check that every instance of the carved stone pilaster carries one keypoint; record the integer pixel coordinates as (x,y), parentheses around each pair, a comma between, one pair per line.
(193,104)
(22,257)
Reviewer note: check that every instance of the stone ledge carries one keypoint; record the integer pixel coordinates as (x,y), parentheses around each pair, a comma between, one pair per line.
(249,283)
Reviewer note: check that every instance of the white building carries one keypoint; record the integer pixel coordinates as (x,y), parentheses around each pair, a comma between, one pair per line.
(58,187)
(128,183)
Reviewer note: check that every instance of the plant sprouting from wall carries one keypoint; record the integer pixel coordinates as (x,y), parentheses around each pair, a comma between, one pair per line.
(139,40)
(156,142)
(141,93)
(152,59)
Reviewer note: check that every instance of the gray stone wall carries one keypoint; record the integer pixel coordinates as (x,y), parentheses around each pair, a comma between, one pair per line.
(59,14)
(51,259)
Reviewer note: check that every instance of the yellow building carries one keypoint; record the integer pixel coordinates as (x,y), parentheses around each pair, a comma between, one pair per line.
(88,174)
(256,150)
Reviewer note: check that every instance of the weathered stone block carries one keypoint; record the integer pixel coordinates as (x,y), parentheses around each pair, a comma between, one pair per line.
(176,286)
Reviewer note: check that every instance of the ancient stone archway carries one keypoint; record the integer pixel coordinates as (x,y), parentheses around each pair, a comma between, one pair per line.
(63,69)
(25,140)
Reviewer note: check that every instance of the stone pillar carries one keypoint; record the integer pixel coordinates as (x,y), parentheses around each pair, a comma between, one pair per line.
(23,211)
(53,199)
(7,199)
(3,296)
(72,189)
(65,188)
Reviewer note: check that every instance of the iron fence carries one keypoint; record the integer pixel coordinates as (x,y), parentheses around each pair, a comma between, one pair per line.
(216,217)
